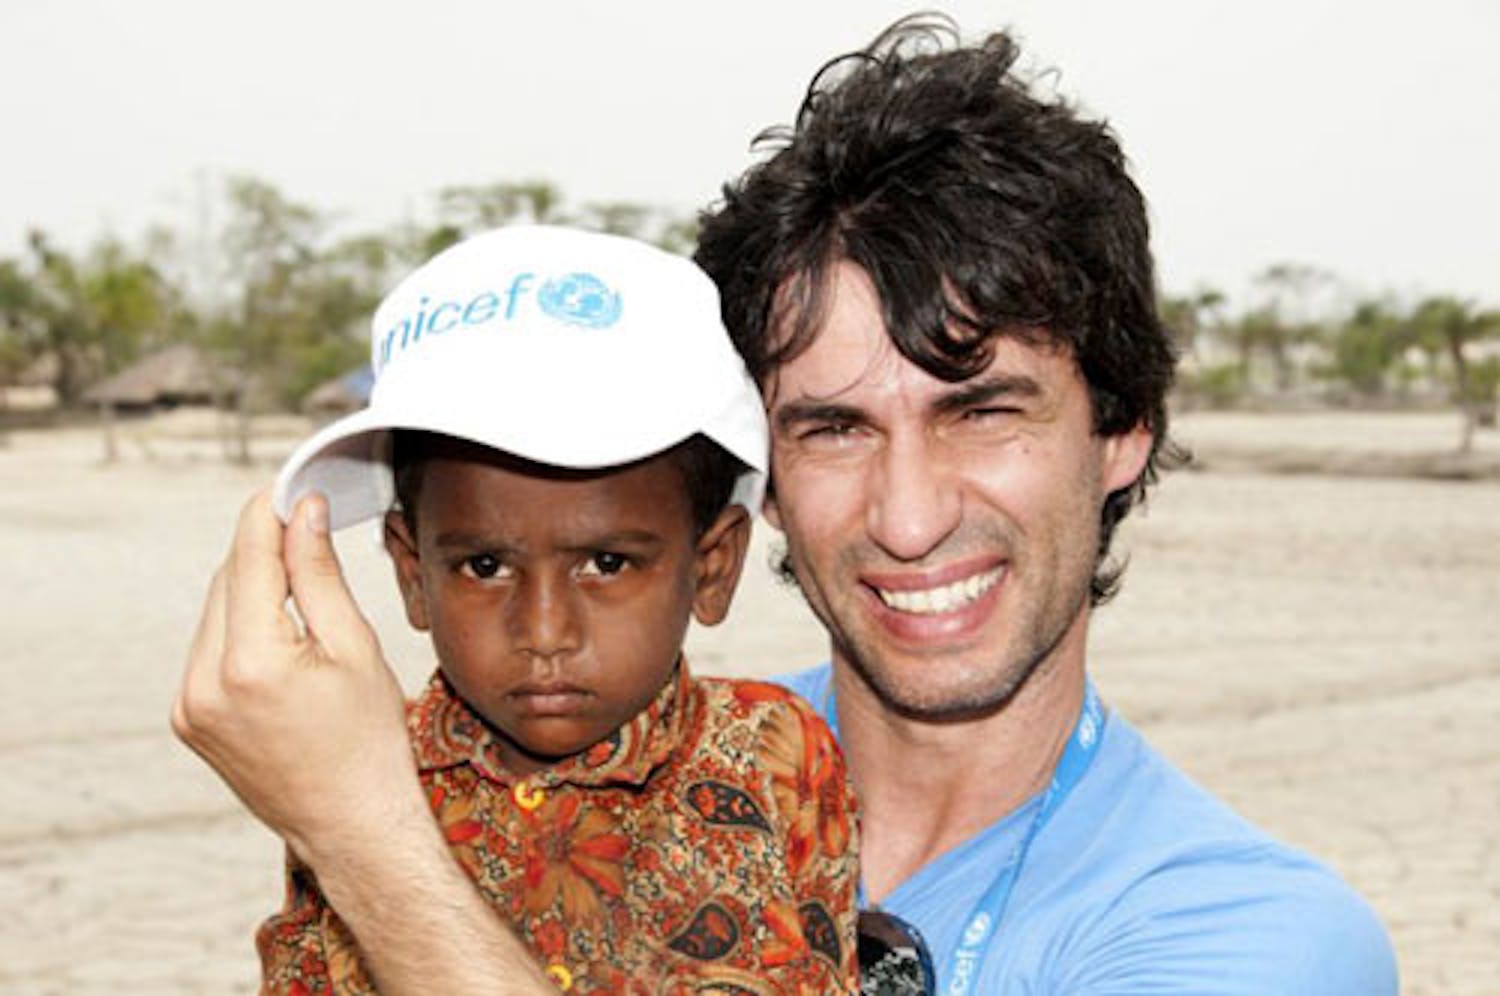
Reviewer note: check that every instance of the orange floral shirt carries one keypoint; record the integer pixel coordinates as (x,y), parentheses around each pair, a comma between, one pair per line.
(708,845)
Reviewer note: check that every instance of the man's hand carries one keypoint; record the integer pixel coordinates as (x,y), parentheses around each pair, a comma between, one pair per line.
(304,721)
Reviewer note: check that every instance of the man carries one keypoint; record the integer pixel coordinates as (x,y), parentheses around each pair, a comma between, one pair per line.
(943,286)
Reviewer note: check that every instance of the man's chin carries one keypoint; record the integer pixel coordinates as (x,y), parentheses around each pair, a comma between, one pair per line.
(913,693)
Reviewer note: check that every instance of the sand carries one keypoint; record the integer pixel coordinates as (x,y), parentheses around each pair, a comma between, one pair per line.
(1321,650)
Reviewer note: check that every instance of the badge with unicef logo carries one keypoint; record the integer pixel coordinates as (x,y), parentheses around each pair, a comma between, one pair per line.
(580,299)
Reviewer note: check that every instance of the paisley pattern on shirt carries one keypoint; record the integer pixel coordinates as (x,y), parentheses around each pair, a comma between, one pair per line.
(707,846)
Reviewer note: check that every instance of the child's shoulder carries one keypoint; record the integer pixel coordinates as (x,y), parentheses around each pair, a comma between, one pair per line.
(751,697)
(775,715)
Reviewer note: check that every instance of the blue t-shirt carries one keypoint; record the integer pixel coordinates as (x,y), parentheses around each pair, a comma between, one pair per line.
(1141,882)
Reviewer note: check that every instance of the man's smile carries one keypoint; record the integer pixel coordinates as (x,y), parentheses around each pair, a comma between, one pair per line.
(940,598)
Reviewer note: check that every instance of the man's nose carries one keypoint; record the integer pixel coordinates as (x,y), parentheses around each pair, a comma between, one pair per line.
(915,499)
(544,616)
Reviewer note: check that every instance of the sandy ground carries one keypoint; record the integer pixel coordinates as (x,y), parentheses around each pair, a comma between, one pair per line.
(1324,651)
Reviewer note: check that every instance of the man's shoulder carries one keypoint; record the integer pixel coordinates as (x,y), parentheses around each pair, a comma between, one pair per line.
(1177,882)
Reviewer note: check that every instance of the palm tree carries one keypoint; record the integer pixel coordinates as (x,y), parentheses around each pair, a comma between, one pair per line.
(1450,325)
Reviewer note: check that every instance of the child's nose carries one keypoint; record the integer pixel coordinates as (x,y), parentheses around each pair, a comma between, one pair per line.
(545,618)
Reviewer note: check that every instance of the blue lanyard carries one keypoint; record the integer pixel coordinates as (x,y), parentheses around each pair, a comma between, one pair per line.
(964,961)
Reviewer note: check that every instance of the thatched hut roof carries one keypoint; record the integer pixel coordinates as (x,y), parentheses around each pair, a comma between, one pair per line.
(176,375)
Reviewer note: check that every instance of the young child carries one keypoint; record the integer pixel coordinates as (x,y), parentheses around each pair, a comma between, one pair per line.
(573,448)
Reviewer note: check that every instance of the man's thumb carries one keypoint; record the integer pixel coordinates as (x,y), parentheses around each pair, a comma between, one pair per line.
(317,581)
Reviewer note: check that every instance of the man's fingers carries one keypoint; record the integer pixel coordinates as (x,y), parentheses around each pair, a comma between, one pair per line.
(317,583)
(255,583)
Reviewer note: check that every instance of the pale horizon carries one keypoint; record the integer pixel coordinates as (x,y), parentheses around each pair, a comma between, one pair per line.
(1355,139)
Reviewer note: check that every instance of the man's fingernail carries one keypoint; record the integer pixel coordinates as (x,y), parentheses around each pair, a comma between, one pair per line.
(317,514)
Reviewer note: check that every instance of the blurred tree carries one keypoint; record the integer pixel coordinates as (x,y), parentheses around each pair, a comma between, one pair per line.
(617,218)
(17,316)
(1451,326)
(641,221)
(93,315)
(464,210)
(339,293)
(1367,346)
(1189,317)
(477,208)
(679,235)
(1290,316)
(268,244)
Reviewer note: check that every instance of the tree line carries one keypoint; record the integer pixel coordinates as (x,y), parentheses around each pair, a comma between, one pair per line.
(1305,340)
(281,299)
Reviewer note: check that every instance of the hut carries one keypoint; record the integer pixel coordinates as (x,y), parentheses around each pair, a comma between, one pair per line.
(176,375)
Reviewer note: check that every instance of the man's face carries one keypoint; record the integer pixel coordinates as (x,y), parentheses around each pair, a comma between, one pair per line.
(558,601)
(944,533)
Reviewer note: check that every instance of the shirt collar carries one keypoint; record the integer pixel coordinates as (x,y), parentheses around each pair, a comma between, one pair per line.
(446,733)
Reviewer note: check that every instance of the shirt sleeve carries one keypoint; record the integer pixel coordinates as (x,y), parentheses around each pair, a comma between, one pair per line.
(1231,928)
(305,948)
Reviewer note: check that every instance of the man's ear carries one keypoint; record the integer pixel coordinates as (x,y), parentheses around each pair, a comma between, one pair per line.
(1125,457)
(402,546)
(720,555)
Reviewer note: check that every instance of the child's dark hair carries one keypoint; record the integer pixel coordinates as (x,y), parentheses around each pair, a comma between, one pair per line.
(708,471)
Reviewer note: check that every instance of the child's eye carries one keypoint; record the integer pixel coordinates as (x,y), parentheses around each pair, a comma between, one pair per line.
(604,564)
(483,566)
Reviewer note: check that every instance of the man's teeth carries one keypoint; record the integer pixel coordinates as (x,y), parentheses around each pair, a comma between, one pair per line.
(949,597)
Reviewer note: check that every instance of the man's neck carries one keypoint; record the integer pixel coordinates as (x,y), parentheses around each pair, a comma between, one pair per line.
(925,787)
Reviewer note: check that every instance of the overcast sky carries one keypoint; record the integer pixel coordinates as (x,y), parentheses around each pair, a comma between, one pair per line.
(1361,136)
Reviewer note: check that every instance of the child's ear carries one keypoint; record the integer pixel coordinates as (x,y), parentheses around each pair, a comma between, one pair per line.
(402,546)
(721,557)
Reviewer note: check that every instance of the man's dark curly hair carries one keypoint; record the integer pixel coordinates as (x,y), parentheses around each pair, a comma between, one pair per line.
(978,209)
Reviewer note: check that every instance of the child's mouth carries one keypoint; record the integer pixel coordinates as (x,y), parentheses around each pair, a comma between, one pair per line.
(549,698)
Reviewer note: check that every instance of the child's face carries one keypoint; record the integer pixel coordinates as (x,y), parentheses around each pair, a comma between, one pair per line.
(558,601)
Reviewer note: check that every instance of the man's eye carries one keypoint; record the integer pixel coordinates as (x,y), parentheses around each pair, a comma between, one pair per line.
(829,433)
(991,418)
(483,566)
(604,564)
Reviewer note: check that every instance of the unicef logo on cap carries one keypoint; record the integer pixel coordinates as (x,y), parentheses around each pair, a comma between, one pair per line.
(580,299)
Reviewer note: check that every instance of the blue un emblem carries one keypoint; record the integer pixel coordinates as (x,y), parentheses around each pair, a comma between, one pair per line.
(580,299)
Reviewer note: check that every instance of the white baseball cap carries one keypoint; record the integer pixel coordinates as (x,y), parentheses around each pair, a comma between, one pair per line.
(568,348)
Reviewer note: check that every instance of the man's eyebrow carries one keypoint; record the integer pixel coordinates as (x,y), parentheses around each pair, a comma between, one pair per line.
(824,412)
(986,390)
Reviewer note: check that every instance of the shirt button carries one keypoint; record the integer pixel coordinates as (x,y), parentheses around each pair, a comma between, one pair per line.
(528,798)
(560,975)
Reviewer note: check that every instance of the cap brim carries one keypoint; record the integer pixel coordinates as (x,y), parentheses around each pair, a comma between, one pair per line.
(344,461)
